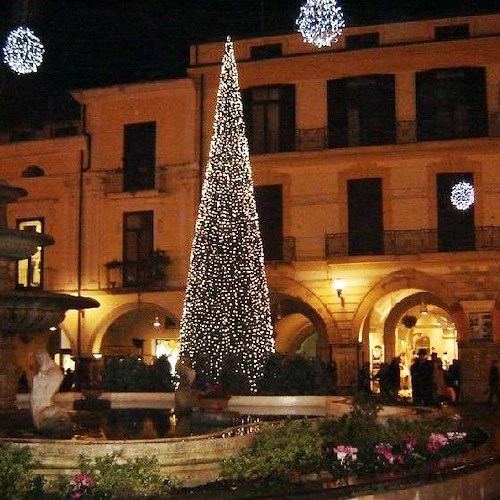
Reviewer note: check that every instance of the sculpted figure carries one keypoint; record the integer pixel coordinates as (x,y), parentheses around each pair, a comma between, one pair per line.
(184,396)
(48,417)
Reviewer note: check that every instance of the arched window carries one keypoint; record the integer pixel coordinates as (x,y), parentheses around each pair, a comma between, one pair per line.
(33,171)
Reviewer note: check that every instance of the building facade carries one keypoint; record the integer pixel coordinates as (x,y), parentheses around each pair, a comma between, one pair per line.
(377,180)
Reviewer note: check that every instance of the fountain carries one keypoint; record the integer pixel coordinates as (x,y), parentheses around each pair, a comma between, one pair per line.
(28,311)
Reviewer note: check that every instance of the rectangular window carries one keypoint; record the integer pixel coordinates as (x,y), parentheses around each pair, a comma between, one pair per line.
(270,118)
(29,271)
(362,41)
(365,216)
(451,32)
(456,231)
(451,103)
(269,202)
(361,111)
(139,156)
(137,248)
(265,51)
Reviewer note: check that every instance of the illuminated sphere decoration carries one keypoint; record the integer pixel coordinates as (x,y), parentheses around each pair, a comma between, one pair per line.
(320,22)
(462,195)
(23,51)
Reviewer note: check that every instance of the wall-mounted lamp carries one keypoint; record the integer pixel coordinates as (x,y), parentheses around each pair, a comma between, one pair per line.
(53,328)
(338,285)
(157,322)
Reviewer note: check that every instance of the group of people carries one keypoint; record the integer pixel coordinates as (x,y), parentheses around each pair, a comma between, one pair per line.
(430,382)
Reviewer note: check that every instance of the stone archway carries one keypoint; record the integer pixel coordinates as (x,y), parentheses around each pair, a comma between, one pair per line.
(311,304)
(148,311)
(413,280)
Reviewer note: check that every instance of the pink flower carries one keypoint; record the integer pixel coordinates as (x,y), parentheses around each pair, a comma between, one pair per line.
(410,443)
(346,452)
(384,451)
(436,441)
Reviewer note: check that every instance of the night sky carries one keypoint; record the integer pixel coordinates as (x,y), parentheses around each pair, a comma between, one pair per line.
(93,43)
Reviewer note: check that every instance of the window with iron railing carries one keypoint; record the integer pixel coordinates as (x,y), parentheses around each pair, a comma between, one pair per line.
(361,111)
(30,270)
(270,118)
(451,104)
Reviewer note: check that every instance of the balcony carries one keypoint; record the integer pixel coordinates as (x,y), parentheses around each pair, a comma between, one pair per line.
(412,242)
(316,139)
(147,274)
(114,182)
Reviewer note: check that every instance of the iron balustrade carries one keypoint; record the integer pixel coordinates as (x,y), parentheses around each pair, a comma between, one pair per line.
(114,180)
(316,139)
(412,241)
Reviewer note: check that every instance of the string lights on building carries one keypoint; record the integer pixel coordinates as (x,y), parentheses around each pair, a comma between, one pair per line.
(23,51)
(462,195)
(227,316)
(320,22)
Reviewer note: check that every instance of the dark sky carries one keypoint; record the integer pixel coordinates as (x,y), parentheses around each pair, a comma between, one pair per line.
(102,42)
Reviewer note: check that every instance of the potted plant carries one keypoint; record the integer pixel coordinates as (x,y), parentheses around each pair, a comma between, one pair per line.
(409,320)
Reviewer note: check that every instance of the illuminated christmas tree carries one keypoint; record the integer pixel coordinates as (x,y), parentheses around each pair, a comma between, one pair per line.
(226,320)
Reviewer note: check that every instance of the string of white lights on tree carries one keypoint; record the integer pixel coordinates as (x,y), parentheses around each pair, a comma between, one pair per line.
(320,22)
(462,195)
(23,51)
(226,316)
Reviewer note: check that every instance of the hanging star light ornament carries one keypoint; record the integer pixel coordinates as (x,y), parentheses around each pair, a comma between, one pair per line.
(462,195)
(320,22)
(23,51)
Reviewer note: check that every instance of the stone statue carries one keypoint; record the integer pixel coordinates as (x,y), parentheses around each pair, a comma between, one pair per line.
(47,417)
(184,395)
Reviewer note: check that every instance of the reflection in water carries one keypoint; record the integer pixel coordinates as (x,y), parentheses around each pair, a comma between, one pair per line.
(130,424)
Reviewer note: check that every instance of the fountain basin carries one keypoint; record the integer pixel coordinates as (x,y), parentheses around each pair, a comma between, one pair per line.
(193,460)
(30,311)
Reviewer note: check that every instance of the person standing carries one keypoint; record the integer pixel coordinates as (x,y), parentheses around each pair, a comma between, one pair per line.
(421,379)
(493,389)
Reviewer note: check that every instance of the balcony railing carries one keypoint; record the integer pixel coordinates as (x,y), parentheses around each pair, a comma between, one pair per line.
(51,130)
(316,139)
(413,241)
(114,180)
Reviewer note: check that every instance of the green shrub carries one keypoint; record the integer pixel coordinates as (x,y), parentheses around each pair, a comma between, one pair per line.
(17,478)
(113,476)
(278,451)
(295,374)
(131,374)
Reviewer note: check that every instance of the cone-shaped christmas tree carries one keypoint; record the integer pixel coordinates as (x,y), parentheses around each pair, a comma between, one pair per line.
(226,320)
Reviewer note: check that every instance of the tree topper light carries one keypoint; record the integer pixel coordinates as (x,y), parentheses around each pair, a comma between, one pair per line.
(462,195)
(320,22)
(23,51)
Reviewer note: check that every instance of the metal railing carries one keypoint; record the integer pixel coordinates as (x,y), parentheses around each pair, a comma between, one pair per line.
(114,180)
(414,241)
(317,139)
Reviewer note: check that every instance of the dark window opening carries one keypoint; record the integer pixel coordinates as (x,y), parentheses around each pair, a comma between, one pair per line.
(137,248)
(266,51)
(269,202)
(451,104)
(365,216)
(361,111)
(451,32)
(139,156)
(455,227)
(362,41)
(270,118)
(33,171)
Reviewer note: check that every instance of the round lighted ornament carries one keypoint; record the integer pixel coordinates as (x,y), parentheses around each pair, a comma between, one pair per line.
(23,51)
(462,195)
(320,22)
